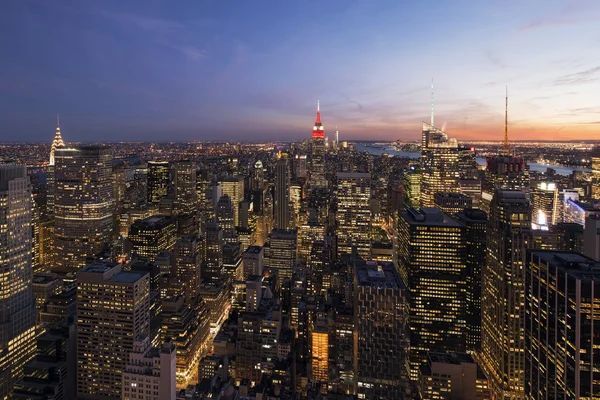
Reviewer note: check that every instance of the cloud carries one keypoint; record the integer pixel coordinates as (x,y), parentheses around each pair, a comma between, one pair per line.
(578,77)
(191,52)
(570,13)
(358,105)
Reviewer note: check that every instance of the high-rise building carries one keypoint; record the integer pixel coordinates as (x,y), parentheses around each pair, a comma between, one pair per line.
(412,189)
(503,172)
(452,375)
(440,158)
(320,352)
(150,372)
(151,235)
(158,181)
(113,309)
(233,186)
(187,267)
(502,293)
(547,208)
(283,252)
(282,192)
(452,203)
(212,267)
(183,187)
(596,173)
(17,302)
(476,224)
(83,204)
(432,263)
(562,298)
(353,216)
(253,261)
(380,312)
(225,217)
(317,160)
(591,237)
(307,235)
(57,143)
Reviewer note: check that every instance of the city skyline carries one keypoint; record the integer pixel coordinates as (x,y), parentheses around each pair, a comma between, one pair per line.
(254,71)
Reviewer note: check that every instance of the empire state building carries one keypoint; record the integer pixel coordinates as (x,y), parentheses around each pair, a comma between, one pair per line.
(317,166)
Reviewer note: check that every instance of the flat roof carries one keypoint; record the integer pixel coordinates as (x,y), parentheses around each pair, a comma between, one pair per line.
(381,274)
(128,276)
(575,264)
(429,216)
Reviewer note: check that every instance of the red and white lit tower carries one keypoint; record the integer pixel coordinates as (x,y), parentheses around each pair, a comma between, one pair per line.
(317,166)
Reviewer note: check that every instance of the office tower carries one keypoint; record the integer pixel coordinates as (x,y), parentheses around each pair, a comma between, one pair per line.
(476,224)
(591,237)
(233,186)
(51,374)
(319,371)
(440,162)
(412,189)
(46,240)
(296,217)
(151,235)
(570,237)
(596,173)
(546,204)
(317,160)
(190,333)
(83,204)
(502,293)
(503,172)
(225,218)
(258,176)
(307,235)
(432,262)
(212,267)
(17,303)
(218,303)
(283,252)
(187,267)
(112,311)
(452,203)
(380,312)
(57,143)
(282,192)
(253,260)
(452,375)
(150,372)
(158,181)
(300,167)
(562,297)
(232,260)
(471,188)
(353,216)
(183,187)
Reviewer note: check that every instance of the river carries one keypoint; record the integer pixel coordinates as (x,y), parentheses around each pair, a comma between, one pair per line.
(533,166)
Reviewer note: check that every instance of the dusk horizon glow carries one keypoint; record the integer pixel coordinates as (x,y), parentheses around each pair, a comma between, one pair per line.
(254,71)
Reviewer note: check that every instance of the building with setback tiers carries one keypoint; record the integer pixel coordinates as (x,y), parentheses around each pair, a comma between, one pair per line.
(432,261)
(502,293)
(317,161)
(562,327)
(17,302)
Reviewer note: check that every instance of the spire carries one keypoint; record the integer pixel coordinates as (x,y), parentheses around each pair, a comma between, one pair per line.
(506,150)
(58,121)
(318,113)
(57,142)
(431,101)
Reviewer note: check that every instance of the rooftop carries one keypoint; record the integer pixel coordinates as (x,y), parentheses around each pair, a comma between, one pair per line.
(575,264)
(253,249)
(379,274)
(128,277)
(428,216)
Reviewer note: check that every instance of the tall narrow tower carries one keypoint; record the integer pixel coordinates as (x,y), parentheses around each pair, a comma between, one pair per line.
(57,143)
(506,149)
(317,167)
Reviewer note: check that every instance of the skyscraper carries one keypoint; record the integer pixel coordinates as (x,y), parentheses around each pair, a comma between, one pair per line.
(440,158)
(546,204)
(187,267)
(225,217)
(17,303)
(562,298)
(380,313)
(183,187)
(432,264)
(158,181)
(57,143)
(233,186)
(151,235)
(476,224)
(282,191)
(353,216)
(83,204)
(317,162)
(502,302)
(283,252)
(113,309)
(596,173)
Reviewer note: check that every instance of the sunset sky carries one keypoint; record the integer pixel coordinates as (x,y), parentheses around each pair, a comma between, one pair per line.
(254,69)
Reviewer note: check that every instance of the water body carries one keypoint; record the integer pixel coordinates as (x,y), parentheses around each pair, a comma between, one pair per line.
(533,166)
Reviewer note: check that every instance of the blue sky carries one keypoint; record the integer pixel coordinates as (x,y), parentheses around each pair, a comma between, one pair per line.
(253,70)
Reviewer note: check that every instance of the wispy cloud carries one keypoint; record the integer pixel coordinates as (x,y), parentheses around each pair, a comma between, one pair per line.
(570,13)
(589,75)
(142,22)
(191,52)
